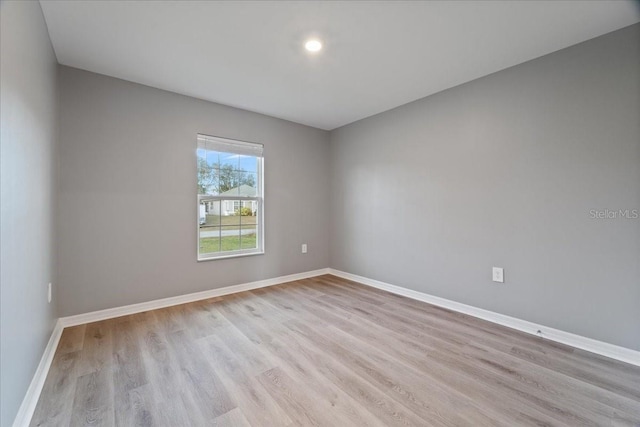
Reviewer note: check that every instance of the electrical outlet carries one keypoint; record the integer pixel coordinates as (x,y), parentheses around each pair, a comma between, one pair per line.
(498,274)
(49,293)
(304,248)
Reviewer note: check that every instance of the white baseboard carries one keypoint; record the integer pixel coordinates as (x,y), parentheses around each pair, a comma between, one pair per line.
(28,406)
(599,347)
(109,313)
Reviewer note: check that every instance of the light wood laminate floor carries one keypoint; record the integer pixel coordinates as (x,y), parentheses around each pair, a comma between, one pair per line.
(326,352)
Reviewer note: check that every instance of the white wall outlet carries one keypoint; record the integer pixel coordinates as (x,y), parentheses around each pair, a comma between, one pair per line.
(304,248)
(498,274)
(49,293)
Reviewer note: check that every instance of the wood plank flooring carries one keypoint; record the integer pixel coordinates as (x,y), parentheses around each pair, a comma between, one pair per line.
(326,352)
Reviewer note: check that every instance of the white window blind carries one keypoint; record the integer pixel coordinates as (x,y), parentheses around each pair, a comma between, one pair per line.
(214,143)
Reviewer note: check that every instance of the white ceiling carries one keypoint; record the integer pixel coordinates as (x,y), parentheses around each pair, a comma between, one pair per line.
(377,55)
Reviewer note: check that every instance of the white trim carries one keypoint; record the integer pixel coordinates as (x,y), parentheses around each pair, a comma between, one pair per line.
(109,313)
(599,347)
(28,406)
(236,254)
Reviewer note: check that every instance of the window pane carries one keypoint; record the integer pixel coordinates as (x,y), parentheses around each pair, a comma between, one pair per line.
(237,183)
(213,157)
(249,240)
(228,183)
(229,160)
(230,238)
(209,226)
(209,240)
(229,217)
(248,164)
(248,184)
(202,153)
(249,225)
(208,173)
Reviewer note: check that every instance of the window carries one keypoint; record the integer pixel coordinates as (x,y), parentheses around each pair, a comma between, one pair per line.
(230,198)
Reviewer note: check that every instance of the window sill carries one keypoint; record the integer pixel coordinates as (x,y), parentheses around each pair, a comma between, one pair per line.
(227,256)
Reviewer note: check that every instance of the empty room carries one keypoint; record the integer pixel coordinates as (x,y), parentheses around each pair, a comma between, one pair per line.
(320,213)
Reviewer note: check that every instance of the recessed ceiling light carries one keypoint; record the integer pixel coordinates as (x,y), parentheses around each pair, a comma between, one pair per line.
(313,45)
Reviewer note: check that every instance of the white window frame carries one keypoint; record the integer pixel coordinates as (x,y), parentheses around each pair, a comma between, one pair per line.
(259,199)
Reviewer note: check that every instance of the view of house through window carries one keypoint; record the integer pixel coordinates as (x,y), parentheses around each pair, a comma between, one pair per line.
(229,197)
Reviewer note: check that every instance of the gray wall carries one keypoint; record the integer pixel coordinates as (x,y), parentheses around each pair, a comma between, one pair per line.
(28,181)
(503,171)
(128,194)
